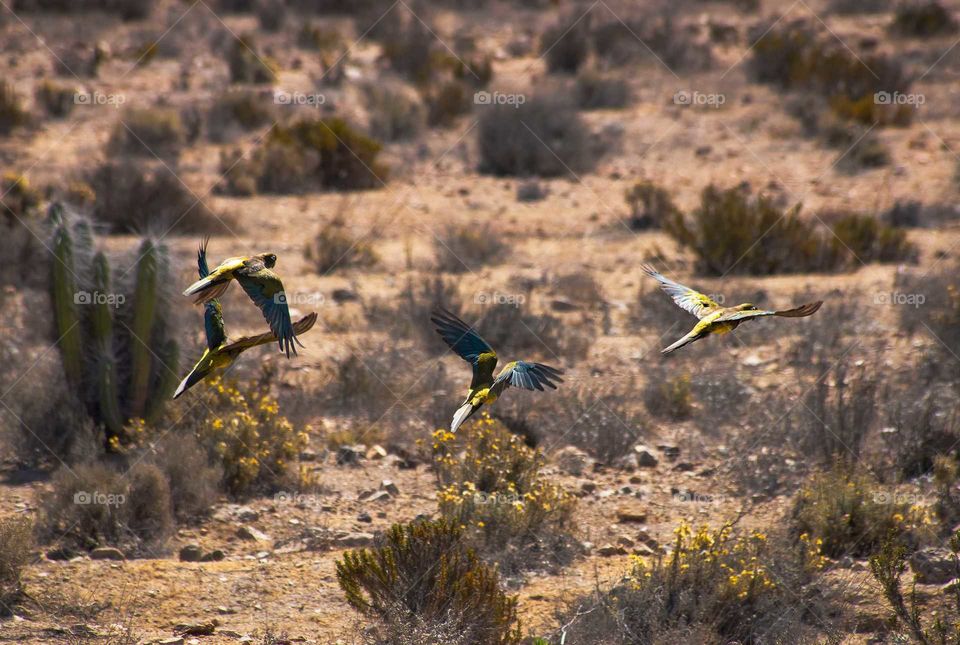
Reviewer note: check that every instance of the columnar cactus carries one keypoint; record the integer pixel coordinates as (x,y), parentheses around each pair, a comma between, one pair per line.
(113,341)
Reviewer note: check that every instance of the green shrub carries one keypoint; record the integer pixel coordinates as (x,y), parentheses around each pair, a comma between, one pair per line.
(650,206)
(57,99)
(237,111)
(421,584)
(467,248)
(869,239)
(492,486)
(923,19)
(335,247)
(12,113)
(849,513)
(307,155)
(711,587)
(20,199)
(148,132)
(16,543)
(596,91)
(247,64)
(545,136)
(91,505)
(668,397)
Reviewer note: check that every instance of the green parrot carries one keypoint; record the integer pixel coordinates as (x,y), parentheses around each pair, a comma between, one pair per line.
(261,284)
(484,388)
(221,352)
(714,318)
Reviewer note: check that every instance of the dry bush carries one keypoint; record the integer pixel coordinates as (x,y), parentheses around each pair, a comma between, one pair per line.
(149,132)
(921,425)
(420,583)
(565,45)
(796,55)
(721,398)
(928,304)
(12,113)
(237,111)
(126,9)
(849,7)
(468,248)
(849,514)
(94,504)
(711,587)
(650,206)
(866,151)
(311,154)
(405,315)
(869,239)
(396,112)
(16,544)
(56,98)
(579,287)
(654,38)
(923,19)
(545,137)
(249,65)
(319,38)
(194,478)
(448,100)
(668,397)
(514,331)
(140,196)
(598,91)
(335,248)
(495,490)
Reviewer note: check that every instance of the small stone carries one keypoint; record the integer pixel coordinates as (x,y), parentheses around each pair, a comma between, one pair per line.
(572,461)
(107,553)
(563,306)
(625,515)
(684,467)
(350,454)
(933,565)
(624,541)
(353,539)
(252,534)
(308,455)
(379,496)
(390,487)
(608,550)
(191,553)
(669,450)
(588,486)
(246,514)
(176,640)
(364,517)
(645,458)
(376,452)
(344,295)
(644,550)
(213,556)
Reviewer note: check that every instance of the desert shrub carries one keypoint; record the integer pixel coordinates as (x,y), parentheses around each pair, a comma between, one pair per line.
(335,247)
(396,112)
(848,513)
(247,64)
(307,155)
(467,248)
(794,56)
(16,543)
(858,6)
(596,91)
(514,330)
(578,286)
(271,14)
(495,490)
(652,37)
(565,45)
(20,199)
(929,304)
(56,98)
(545,136)
(923,19)
(312,36)
(650,206)
(141,196)
(446,101)
(403,315)
(712,587)
(866,151)
(12,113)
(409,48)
(148,132)
(92,505)
(921,425)
(242,429)
(869,239)
(668,397)
(194,480)
(420,583)
(237,111)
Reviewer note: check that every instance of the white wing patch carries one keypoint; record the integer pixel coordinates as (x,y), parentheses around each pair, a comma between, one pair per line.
(685,297)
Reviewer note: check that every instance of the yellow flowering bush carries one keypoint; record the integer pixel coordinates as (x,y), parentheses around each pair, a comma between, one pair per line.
(851,514)
(491,485)
(711,586)
(254,443)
